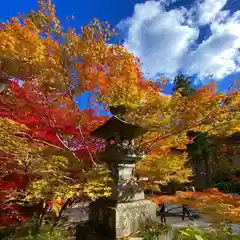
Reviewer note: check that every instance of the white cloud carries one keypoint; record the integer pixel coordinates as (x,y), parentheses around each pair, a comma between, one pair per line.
(227,24)
(206,11)
(219,53)
(167,41)
(216,55)
(158,37)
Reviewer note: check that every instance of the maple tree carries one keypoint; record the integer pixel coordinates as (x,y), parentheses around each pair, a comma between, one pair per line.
(52,77)
(50,155)
(203,148)
(205,111)
(165,167)
(56,136)
(48,138)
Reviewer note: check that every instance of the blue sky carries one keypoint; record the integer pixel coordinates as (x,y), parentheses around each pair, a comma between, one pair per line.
(198,38)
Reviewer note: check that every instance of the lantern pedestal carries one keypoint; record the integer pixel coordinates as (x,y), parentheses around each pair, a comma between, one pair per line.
(117,220)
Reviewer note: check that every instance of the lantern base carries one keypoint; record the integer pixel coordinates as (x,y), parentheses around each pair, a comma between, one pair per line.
(117,220)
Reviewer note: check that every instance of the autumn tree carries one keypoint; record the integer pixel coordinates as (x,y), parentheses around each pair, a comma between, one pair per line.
(205,111)
(48,68)
(54,68)
(202,151)
(49,149)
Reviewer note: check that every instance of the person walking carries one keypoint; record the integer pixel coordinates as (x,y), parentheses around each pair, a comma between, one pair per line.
(186,211)
(185,208)
(162,212)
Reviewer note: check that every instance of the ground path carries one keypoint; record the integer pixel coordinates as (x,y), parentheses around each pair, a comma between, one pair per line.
(80,213)
(177,222)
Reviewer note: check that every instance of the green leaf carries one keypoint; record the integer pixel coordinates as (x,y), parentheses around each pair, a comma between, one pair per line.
(183,232)
(198,237)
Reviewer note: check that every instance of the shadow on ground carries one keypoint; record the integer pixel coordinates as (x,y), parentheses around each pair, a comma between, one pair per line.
(85,231)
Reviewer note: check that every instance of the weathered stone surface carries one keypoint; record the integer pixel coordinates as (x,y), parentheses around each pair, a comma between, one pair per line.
(124,187)
(122,219)
(131,217)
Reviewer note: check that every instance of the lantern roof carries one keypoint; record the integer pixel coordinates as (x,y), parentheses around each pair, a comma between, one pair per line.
(116,126)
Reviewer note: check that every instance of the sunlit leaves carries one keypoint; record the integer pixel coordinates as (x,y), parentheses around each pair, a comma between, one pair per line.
(11,143)
(96,190)
(164,167)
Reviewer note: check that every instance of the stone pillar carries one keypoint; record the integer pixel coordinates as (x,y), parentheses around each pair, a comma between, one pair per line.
(126,211)
(124,186)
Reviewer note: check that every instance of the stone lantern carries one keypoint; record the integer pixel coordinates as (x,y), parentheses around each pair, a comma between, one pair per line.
(125,211)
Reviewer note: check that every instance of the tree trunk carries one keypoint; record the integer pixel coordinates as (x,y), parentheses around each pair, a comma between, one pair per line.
(69,200)
(42,213)
(45,209)
(207,161)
